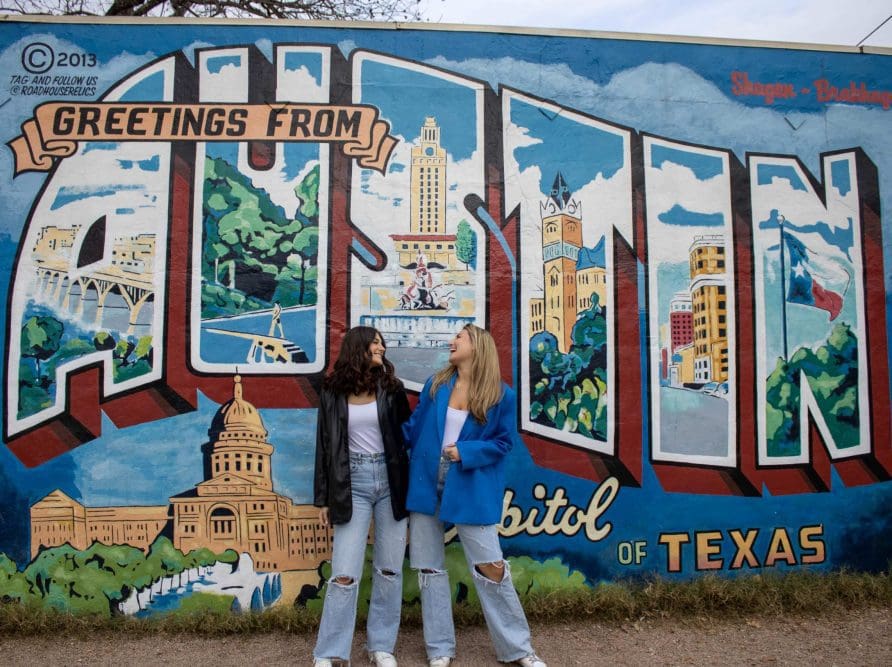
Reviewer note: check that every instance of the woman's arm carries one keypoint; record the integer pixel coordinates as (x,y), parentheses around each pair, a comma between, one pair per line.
(401,409)
(320,475)
(411,427)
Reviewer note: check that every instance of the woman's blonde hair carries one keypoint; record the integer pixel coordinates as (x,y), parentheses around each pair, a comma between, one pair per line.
(485,388)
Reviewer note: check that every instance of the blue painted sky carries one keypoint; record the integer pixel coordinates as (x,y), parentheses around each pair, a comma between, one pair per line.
(563,144)
(702,165)
(91,146)
(615,55)
(680,216)
(146,465)
(216,64)
(66,195)
(312,62)
(151,164)
(589,257)
(766,173)
(840,177)
(454,106)
(841,237)
(150,88)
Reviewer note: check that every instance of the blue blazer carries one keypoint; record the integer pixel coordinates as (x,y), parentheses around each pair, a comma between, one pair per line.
(475,486)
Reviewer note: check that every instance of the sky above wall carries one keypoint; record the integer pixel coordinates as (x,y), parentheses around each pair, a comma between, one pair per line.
(812,21)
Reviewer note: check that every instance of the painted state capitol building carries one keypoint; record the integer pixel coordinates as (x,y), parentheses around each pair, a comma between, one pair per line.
(235,507)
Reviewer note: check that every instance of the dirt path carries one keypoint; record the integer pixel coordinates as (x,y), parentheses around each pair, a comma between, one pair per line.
(861,637)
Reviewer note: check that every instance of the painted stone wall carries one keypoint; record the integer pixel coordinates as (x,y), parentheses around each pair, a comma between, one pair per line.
(679,247)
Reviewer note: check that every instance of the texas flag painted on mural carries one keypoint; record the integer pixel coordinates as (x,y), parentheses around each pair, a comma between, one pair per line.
(804,284)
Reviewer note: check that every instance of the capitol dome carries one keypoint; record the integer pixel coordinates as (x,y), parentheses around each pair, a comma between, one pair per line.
(237,418)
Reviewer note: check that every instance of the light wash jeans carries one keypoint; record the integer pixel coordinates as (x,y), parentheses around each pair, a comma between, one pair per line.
(501,607)
(371,498)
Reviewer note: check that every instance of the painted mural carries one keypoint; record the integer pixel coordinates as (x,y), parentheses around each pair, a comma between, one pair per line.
(679,247)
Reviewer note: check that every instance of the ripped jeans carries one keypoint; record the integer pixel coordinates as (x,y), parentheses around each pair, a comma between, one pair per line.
(371,498)
(502,610)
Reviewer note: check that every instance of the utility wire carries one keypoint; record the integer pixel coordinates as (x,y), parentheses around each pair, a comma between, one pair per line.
(873,31)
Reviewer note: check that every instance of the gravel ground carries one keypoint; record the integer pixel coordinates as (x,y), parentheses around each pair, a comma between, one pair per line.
(860,637)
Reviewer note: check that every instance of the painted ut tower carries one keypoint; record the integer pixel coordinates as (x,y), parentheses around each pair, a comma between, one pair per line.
(561,241)
(428,185)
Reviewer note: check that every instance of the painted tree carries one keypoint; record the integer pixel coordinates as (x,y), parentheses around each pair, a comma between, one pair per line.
(465,244)
(832,371)
(114,570)
(569,390)
(254,254)
(103,340)
(41,337)
(13,585)
(166,559)
(51,576)
(302,263)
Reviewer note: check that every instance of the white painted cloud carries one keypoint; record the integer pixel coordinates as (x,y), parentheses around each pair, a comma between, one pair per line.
(670,100)
(300,85)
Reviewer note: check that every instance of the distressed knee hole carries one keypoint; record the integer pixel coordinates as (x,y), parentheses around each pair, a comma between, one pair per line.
(495,572)
(427,575)
(387,574)
(342,580)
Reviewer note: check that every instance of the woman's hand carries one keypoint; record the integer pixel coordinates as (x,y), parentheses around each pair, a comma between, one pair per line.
(323,516)
(451,452)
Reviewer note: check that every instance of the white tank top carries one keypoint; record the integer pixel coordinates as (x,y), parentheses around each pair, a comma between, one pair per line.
(363,429)
(455,419)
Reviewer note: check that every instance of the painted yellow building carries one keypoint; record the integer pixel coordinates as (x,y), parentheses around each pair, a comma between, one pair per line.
(134,254)
(56,519)
(54,243)
(681,367)
(590,281)
(427,190)
(709,308)
(235,507)
(427,235)
(438,249)
(561,242)
(537,316)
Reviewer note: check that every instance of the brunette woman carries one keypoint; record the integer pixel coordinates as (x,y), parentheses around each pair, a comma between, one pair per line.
(361,474)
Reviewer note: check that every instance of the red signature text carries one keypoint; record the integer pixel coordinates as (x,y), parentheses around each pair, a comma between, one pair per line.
(767,91)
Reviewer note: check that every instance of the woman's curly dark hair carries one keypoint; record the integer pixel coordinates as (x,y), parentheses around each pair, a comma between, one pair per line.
(353,372)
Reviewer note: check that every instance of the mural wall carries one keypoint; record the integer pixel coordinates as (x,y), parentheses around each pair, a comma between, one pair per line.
(679,247)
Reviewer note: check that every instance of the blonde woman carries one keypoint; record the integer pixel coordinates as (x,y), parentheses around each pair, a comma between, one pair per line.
(459,436)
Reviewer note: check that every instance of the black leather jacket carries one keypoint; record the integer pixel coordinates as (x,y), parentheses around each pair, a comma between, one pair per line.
(331,482)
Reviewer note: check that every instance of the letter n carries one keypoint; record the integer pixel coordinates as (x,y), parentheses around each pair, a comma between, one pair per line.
(821,352)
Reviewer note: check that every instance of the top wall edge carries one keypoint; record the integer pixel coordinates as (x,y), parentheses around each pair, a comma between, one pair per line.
(502,30)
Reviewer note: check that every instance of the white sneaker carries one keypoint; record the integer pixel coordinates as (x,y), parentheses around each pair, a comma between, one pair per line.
(442,661)
(322,662)
(531,660)
(382,659)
